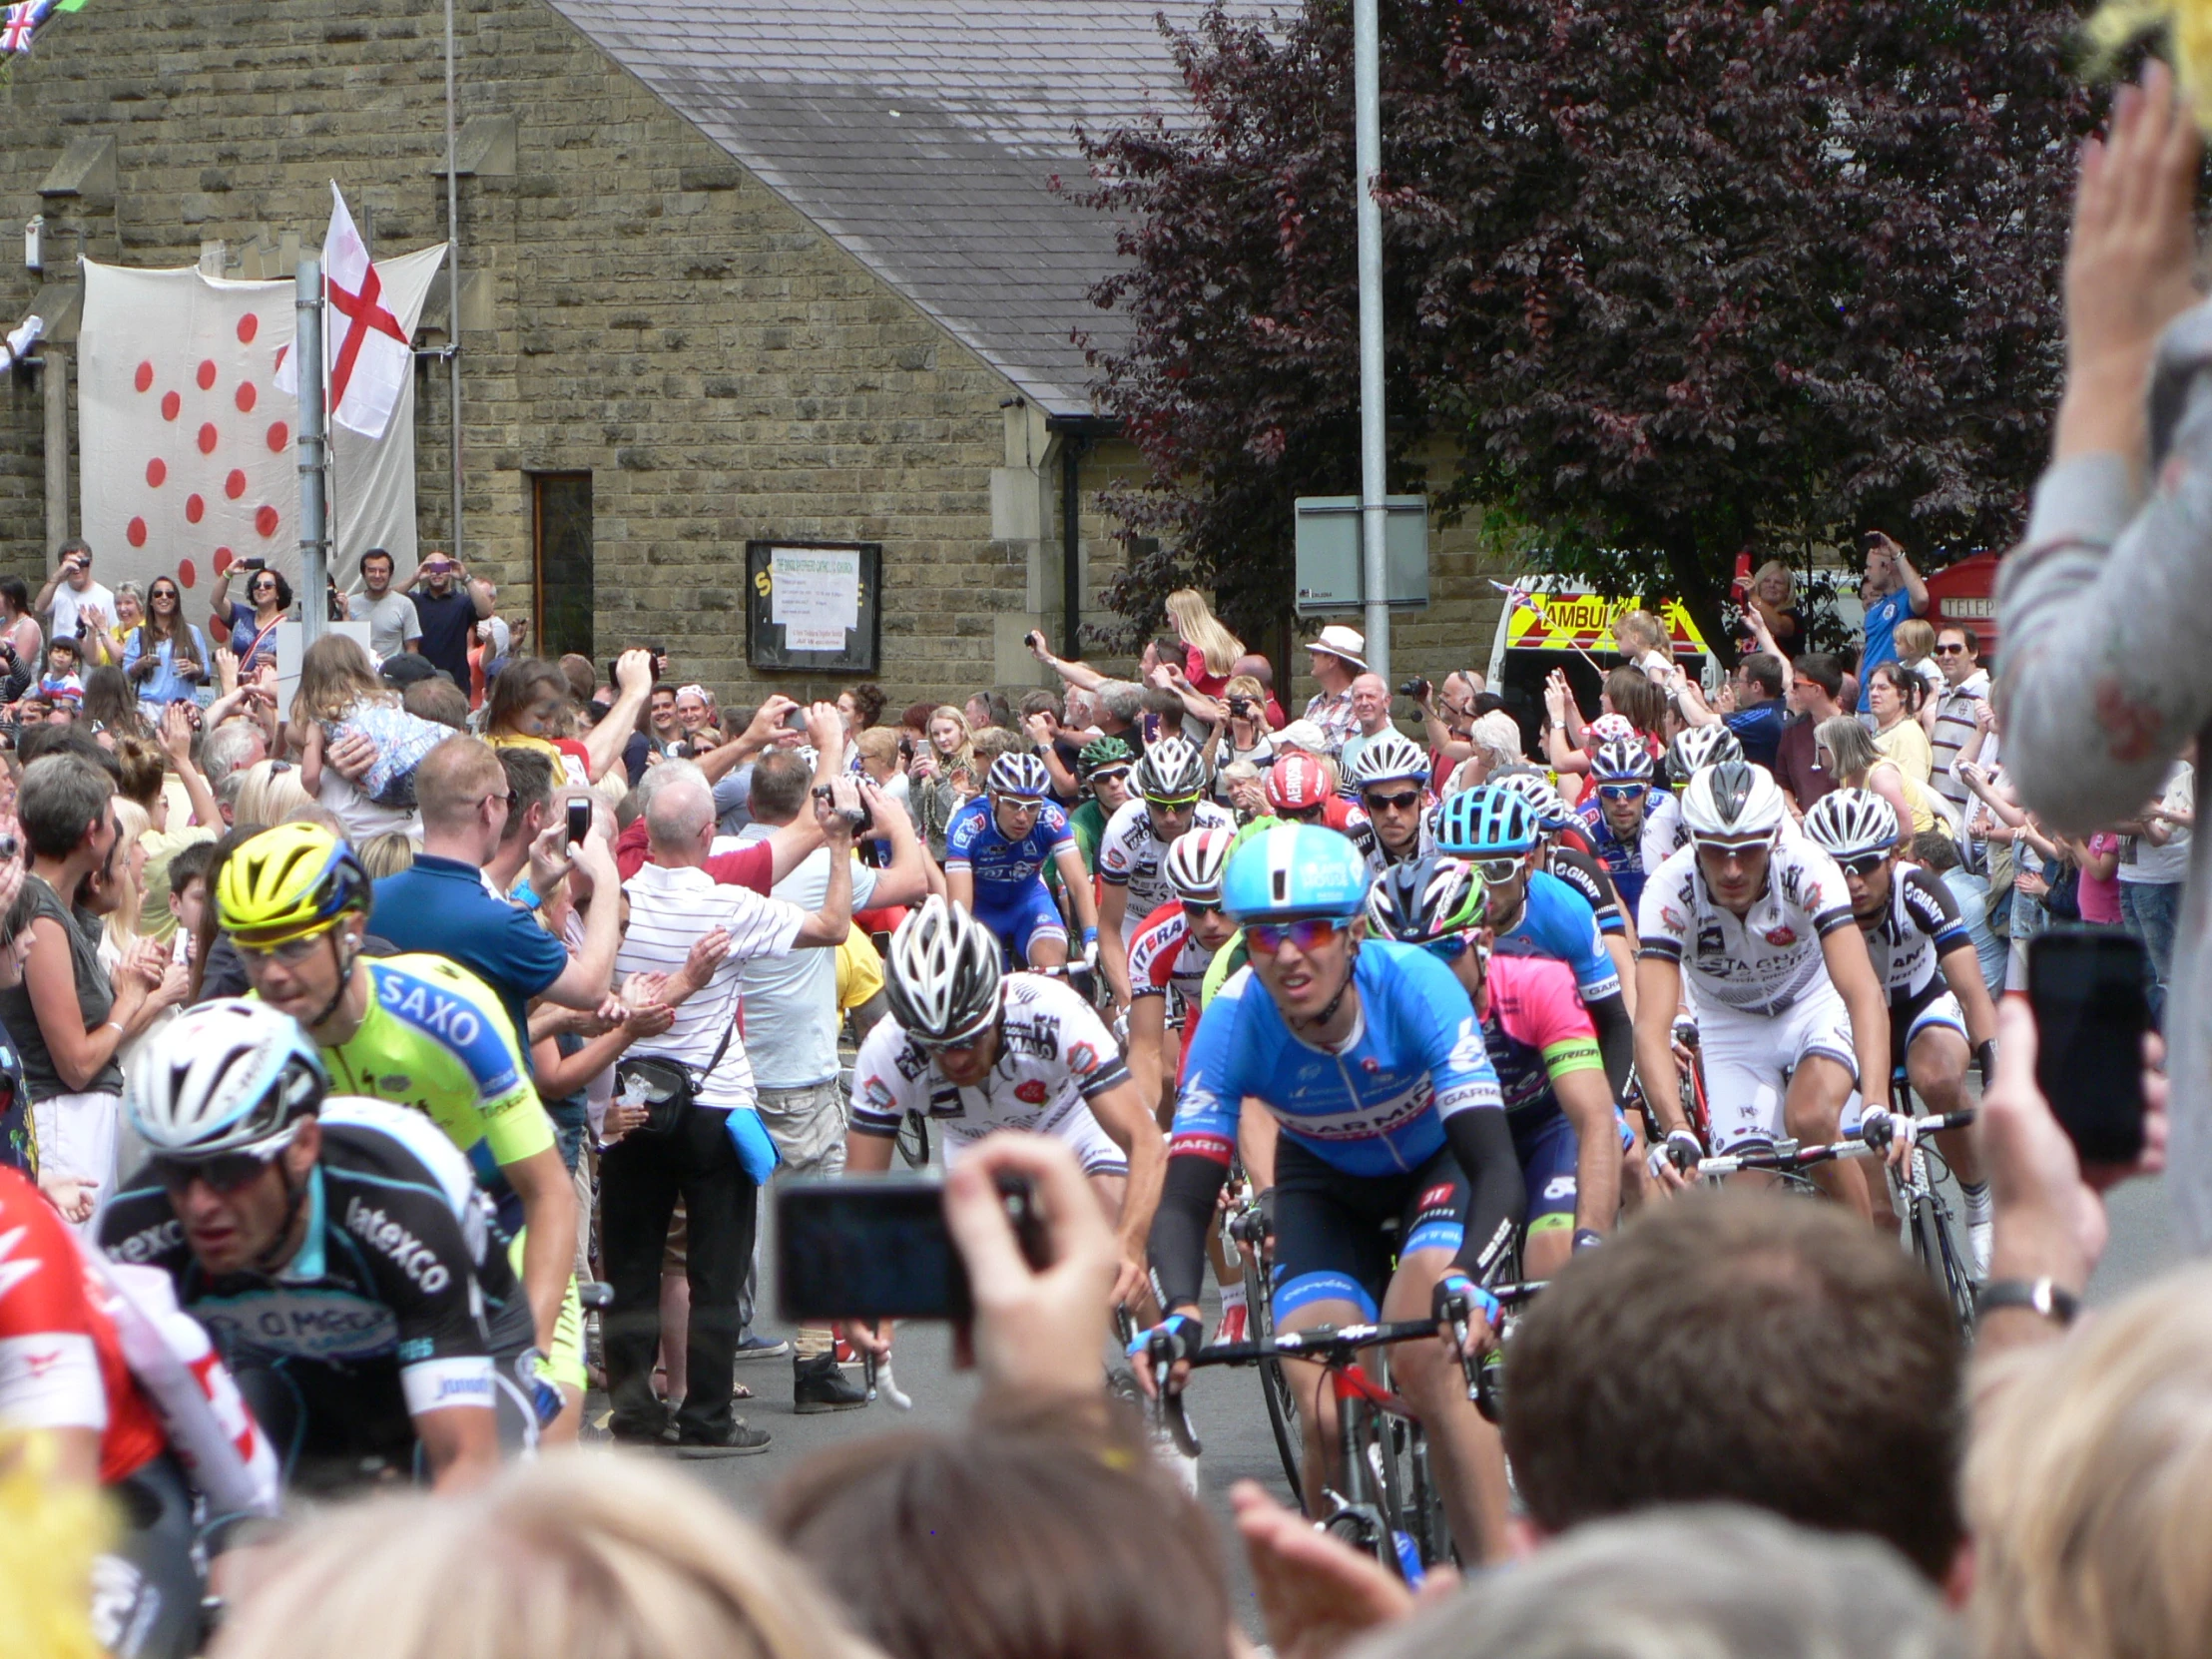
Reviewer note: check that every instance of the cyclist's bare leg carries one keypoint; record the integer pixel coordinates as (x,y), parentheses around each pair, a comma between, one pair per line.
(1812,1114)
(1316,1408)
(1937,1064)
(1047,951)
(1465,1453)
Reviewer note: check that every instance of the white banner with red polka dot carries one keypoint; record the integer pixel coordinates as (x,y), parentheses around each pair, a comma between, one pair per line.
(188,451)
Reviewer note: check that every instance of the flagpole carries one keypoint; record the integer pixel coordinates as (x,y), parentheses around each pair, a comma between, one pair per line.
(307,299)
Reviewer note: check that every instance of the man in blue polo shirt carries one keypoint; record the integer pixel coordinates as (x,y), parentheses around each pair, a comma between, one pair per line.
(443,904)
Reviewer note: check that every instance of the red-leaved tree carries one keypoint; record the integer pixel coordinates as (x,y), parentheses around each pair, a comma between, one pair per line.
(1667,280)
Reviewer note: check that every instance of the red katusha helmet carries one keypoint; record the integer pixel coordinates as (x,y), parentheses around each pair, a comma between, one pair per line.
(1297,782)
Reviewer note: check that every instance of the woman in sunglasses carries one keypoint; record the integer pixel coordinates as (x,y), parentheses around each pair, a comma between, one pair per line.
(1370,1061)
(1940,1008)
(165,657)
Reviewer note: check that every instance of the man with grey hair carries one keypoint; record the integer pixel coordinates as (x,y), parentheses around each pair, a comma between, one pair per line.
(226,755)
(680,913)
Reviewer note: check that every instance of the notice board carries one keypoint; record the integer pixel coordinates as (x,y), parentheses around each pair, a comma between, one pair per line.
(813,606)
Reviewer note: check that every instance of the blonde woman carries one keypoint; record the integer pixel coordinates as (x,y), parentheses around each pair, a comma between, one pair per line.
(268,795)
(574,1553)
(1773,596)
(1210,651)
(1855,763)
(944,773)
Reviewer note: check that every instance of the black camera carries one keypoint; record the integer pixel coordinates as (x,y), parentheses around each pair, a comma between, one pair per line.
(1415,688)
(1240,706)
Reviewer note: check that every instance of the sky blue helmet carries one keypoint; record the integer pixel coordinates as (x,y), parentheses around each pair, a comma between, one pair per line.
(1294,869)
(1486,822)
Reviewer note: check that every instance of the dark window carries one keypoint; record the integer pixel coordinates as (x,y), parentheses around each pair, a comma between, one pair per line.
(562,545)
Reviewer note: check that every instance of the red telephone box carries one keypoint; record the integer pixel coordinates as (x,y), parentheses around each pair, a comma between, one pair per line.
(1965,595)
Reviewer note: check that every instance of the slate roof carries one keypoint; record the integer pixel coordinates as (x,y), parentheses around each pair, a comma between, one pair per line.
(922,136)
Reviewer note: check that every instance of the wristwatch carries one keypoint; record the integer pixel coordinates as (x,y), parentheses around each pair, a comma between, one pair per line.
(2044,1296)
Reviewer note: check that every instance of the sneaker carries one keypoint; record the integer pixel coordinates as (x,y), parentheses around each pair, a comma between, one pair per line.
(1978,1234)
(739,1442)
(818,1384)
(632,1433)
(751,1347)
(1235,1323)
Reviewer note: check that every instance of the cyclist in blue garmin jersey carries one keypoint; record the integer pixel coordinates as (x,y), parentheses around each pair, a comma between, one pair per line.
(1621,795)
(1371,1059)
(1496,831)
(995,852)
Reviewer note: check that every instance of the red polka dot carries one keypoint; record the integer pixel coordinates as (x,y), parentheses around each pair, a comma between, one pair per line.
(170,404)
(207,438)
(279,438)
(144,378)
(186,575)
(235,485)
(264,521)
(207,374)
(195,508)
(135,532)
(223,558)
(248,326)
(246,397)
(157,470)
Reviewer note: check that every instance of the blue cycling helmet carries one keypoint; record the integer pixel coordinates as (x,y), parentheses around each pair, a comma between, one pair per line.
(1486,822)
(1294,869)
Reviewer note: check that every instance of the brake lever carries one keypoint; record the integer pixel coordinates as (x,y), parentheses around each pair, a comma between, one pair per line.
(1458,1312)
(1167,1398)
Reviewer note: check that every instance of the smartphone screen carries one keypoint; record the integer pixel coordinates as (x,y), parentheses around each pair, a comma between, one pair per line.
(2086,986)
(579,821)
(867,1248)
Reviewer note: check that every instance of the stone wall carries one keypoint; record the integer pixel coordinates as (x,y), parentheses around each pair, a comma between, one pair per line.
(636,306)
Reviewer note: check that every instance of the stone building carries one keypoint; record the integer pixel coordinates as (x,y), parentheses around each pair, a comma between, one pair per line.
(731,270)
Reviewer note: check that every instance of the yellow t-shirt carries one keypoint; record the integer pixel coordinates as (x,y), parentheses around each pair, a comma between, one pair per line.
(859,970)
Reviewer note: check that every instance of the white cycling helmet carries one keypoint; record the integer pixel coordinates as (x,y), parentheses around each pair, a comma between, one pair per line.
(1733,802)
(1697,747)
(1847,823)
(942,973)
(1535,789)
(1022,776)
(1195,861)
(228,1076)
(1387,759)
(1171,772)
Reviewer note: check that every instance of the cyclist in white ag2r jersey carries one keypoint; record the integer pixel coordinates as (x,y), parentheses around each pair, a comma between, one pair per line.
(976,1050)
(1788,1011)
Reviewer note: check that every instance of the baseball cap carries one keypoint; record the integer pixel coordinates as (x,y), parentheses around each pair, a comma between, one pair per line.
(403,668)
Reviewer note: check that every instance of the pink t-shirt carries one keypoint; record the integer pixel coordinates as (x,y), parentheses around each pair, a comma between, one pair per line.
(2100,900)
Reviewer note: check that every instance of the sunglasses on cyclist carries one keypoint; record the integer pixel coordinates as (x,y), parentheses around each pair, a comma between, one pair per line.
(951,1045)
(1449,948)
(1194,908)
(225,1173)
(1864,865)
(1302,814)
(290,952)
(1174,806)
(1623,792)
(1727,850)
(1497,869)
(1267,937)
(1403,802)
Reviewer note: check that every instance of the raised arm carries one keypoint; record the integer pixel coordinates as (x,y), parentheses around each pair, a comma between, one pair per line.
(634,684)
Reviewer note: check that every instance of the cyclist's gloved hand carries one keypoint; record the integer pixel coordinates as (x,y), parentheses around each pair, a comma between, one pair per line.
(1881,1128)
(545,1398)
(1186,1334)
(1681,1149)
(1265,1198)
(1090,948)
(1478,1302)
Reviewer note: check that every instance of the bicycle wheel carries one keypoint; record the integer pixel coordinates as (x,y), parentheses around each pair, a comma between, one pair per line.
(1377,1483)
(1939,1257)
(1275,1383)
(914,1139)
(1425,1517)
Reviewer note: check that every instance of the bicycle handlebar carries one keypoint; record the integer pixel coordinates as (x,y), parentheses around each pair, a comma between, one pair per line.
(1789,1157)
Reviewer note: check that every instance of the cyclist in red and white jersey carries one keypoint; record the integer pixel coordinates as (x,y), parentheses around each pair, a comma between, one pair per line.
(1301,791)
(1789,1015)
(1171,782)
(1169,958)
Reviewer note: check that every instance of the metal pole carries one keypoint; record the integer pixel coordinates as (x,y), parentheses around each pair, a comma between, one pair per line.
(55,359)
(454,281)
(1368,147)
(314,450)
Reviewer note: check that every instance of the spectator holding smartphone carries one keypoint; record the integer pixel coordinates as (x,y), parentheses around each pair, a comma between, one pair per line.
(250,628)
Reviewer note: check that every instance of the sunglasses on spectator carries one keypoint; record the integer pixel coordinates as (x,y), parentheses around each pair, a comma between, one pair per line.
(1950,651)
(1404,801)
(223,1173)
(1267,937)
(1864,865)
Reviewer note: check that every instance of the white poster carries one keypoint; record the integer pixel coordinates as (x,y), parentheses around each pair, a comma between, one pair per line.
(814,596)
(188,453)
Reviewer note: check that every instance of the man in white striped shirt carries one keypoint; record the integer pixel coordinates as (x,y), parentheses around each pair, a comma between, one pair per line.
(674,904)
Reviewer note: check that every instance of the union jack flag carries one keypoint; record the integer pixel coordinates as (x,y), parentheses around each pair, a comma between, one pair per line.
(21,23)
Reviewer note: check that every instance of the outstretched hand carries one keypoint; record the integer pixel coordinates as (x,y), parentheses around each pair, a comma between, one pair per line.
(1317,1595)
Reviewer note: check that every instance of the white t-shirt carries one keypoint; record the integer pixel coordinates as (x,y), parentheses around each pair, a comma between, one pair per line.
(391,622)
(2152,865)
(791,1001)
(669,910)
(68,602)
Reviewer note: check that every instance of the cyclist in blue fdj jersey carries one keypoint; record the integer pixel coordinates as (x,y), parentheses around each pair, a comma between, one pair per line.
(1613,818)
(1496,829)
(995,852)
(1371,1061)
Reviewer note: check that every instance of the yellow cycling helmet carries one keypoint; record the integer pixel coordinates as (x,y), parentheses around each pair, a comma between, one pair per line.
(288,883)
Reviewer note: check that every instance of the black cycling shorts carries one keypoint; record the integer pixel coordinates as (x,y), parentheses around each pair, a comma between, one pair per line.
(337,1426)
(1330,1243)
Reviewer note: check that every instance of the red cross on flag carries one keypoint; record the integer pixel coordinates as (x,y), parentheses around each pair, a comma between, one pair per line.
(367,352)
